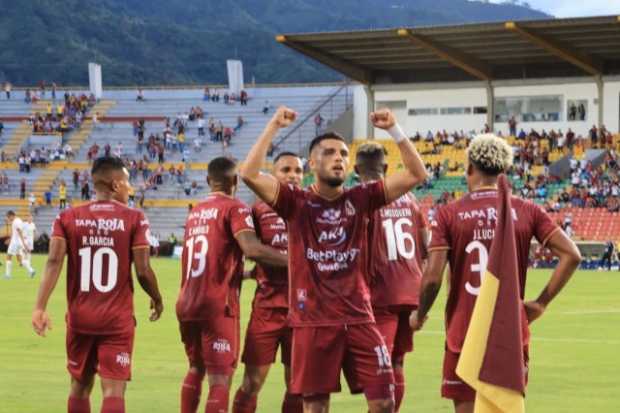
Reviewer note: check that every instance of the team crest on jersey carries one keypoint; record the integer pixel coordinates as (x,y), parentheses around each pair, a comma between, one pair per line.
(330,216)
(349,208)
(221,345)
(123,359)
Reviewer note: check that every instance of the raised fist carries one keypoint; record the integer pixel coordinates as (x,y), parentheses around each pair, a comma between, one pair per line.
(383,119)
(284,117)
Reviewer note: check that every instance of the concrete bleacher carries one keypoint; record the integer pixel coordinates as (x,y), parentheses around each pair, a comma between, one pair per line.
(166,206)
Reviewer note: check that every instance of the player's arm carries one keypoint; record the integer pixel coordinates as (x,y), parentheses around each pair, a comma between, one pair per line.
(423,234)
(148,281)
(404,181)
(265,185)
(255,250)
(40,319)
(431,284)
(570,258)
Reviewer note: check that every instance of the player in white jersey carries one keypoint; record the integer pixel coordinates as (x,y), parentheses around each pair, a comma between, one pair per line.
(17,245)
(29,230)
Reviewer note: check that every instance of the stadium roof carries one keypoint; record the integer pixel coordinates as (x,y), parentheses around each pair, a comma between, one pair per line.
(489,51)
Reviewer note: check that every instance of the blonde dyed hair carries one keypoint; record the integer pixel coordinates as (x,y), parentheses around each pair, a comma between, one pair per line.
(490,154)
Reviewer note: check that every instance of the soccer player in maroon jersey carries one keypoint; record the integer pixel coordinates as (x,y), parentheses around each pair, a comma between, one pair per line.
(268,327)
(329,300)
(219,231)
(462,232)
(100,239)
(396,234)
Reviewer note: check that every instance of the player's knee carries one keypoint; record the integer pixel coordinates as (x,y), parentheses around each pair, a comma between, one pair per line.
(381,406)
(316,403)
(463,406)
(81,389)
(252,382)
(113,388)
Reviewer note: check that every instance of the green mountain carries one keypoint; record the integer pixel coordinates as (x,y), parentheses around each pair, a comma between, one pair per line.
(187,41)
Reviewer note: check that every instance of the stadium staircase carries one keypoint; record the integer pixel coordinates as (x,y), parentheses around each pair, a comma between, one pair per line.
(22,132)
(77,138)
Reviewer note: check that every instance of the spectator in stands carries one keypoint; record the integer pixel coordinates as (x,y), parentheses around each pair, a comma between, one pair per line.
(1,127)
(141,196)
(266,107)
(318,124)
(118,150)
(243,98)
(28,96)
(206,96)
(85,191)
(140,95)
(48,197)
(62,195)
(4,182)
(53,91)
(172,239)
(107,150)
(7,90)
(512,125)
(42,88)
(240,123)
(594,136)
(228,133)
(22,189)
(582,111)
(131,201)
(76,179)
(32,204)
(607,256)
(201,126)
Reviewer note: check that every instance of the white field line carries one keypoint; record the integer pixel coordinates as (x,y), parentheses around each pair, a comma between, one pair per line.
(538,338)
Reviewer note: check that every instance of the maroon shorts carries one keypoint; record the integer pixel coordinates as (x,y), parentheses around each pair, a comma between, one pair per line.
(212,344)
(454,388)
(320,353)
(109,355)
(396,331)
(267,329)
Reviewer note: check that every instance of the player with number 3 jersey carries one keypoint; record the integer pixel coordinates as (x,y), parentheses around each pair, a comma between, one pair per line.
(101,239)
(462,233)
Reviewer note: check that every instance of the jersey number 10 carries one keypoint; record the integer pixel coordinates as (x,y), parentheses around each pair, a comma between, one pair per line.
(92,269)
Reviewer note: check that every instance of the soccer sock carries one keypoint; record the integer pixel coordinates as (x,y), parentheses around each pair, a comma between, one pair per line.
(9,266)
(244,403)
(399,388)
(26,264)
(190,392)
(77,405)
(218,399)
(292,403)
(113,405)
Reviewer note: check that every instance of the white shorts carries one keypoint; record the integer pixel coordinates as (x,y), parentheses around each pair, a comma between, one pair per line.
(15,248)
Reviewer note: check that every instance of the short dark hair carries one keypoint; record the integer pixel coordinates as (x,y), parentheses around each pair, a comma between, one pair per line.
(10,213)
(283,154)
(105,164)
(219,168)
(325,136)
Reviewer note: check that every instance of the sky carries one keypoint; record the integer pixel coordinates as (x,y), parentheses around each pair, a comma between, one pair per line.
(577,8)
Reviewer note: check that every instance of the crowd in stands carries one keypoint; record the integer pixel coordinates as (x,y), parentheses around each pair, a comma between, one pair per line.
(62,117)
(227,98)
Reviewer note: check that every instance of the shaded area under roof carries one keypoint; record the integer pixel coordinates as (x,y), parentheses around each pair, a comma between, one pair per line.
(489,51)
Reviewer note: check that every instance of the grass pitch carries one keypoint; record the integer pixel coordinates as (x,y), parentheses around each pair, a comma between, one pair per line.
(575,352)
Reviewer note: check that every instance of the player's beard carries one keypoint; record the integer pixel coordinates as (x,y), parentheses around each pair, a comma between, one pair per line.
(334,182)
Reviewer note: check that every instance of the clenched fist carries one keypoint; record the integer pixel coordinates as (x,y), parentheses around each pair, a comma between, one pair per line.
(383,119)
(283,117)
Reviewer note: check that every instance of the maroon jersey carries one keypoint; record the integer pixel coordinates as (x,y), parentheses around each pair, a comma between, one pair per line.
(212,261)
(394,269)
(421,249)
(328,253)
(272,288)
(100,238)
(466,228)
